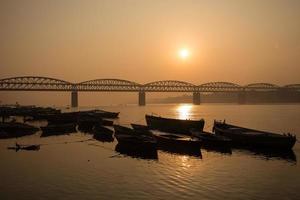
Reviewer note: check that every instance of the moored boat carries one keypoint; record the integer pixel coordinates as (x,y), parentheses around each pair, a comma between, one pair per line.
(211,139)
(34,147)
(174,125)
(58,129)
(103,134)
(139,127)
(142,129)
(178,144)
(241,136)
(128,136)
(14,129)
(101,113)
(176,140)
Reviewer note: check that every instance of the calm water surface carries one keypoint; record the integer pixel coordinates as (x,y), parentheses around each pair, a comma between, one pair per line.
(66,168)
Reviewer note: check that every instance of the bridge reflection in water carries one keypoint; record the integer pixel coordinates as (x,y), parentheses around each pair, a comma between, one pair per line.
(36,83)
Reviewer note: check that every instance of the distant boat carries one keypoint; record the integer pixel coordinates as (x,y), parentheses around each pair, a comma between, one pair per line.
(174,125)
(101,113)
(254,138)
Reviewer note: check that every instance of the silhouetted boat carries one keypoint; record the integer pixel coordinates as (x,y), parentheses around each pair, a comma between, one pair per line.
(18,110)
(211,139)
(254,138)
(25,147)
(174,125)
(101,113)
(106,122)
(128,136)
(58,129)
(177,142)
(87,123)
(62,118)
(103,134)
(14,129)
(142,129)
(176,139)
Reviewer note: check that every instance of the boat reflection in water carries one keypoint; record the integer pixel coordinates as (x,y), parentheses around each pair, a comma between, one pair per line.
(135,152)
(222,149)
(270,154)
(181,151)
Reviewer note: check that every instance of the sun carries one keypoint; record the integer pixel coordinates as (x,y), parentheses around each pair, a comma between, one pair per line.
(184,53)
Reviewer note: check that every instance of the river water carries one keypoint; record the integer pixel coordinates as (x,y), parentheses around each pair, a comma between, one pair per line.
(69,167)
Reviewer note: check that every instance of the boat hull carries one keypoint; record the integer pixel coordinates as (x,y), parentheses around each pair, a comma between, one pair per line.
(174,125)
(260,139)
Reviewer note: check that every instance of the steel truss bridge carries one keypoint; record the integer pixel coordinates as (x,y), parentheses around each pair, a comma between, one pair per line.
(37,83)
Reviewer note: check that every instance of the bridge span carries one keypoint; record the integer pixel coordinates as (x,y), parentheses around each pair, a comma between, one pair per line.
(37,83)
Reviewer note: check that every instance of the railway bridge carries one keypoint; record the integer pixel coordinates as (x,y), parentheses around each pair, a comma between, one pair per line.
(38,83)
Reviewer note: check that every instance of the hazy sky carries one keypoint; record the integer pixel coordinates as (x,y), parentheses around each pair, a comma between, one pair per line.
(240,41)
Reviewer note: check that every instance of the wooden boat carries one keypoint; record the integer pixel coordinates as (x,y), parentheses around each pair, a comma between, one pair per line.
(62,118)
(101,113)
(142,129)
(254,138)
(14,129)
(86,124)
(106,122)
(18,110)
(211,139)
(58,129)
(178,144)
(26,147)
(176,140)
(128,136)
(174,125)
(103,134)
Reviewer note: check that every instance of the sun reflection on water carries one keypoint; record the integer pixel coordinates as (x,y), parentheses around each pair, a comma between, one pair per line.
(184,111)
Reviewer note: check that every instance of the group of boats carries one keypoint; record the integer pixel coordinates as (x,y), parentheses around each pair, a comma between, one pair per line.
(58,123)
(187,136)
(173,135)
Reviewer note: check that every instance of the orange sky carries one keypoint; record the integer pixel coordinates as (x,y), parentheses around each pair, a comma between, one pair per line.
(241,41)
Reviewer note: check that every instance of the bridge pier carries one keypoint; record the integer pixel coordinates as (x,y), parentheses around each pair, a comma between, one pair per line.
(142,98)
(74,99)
(242,97)
(196,98)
